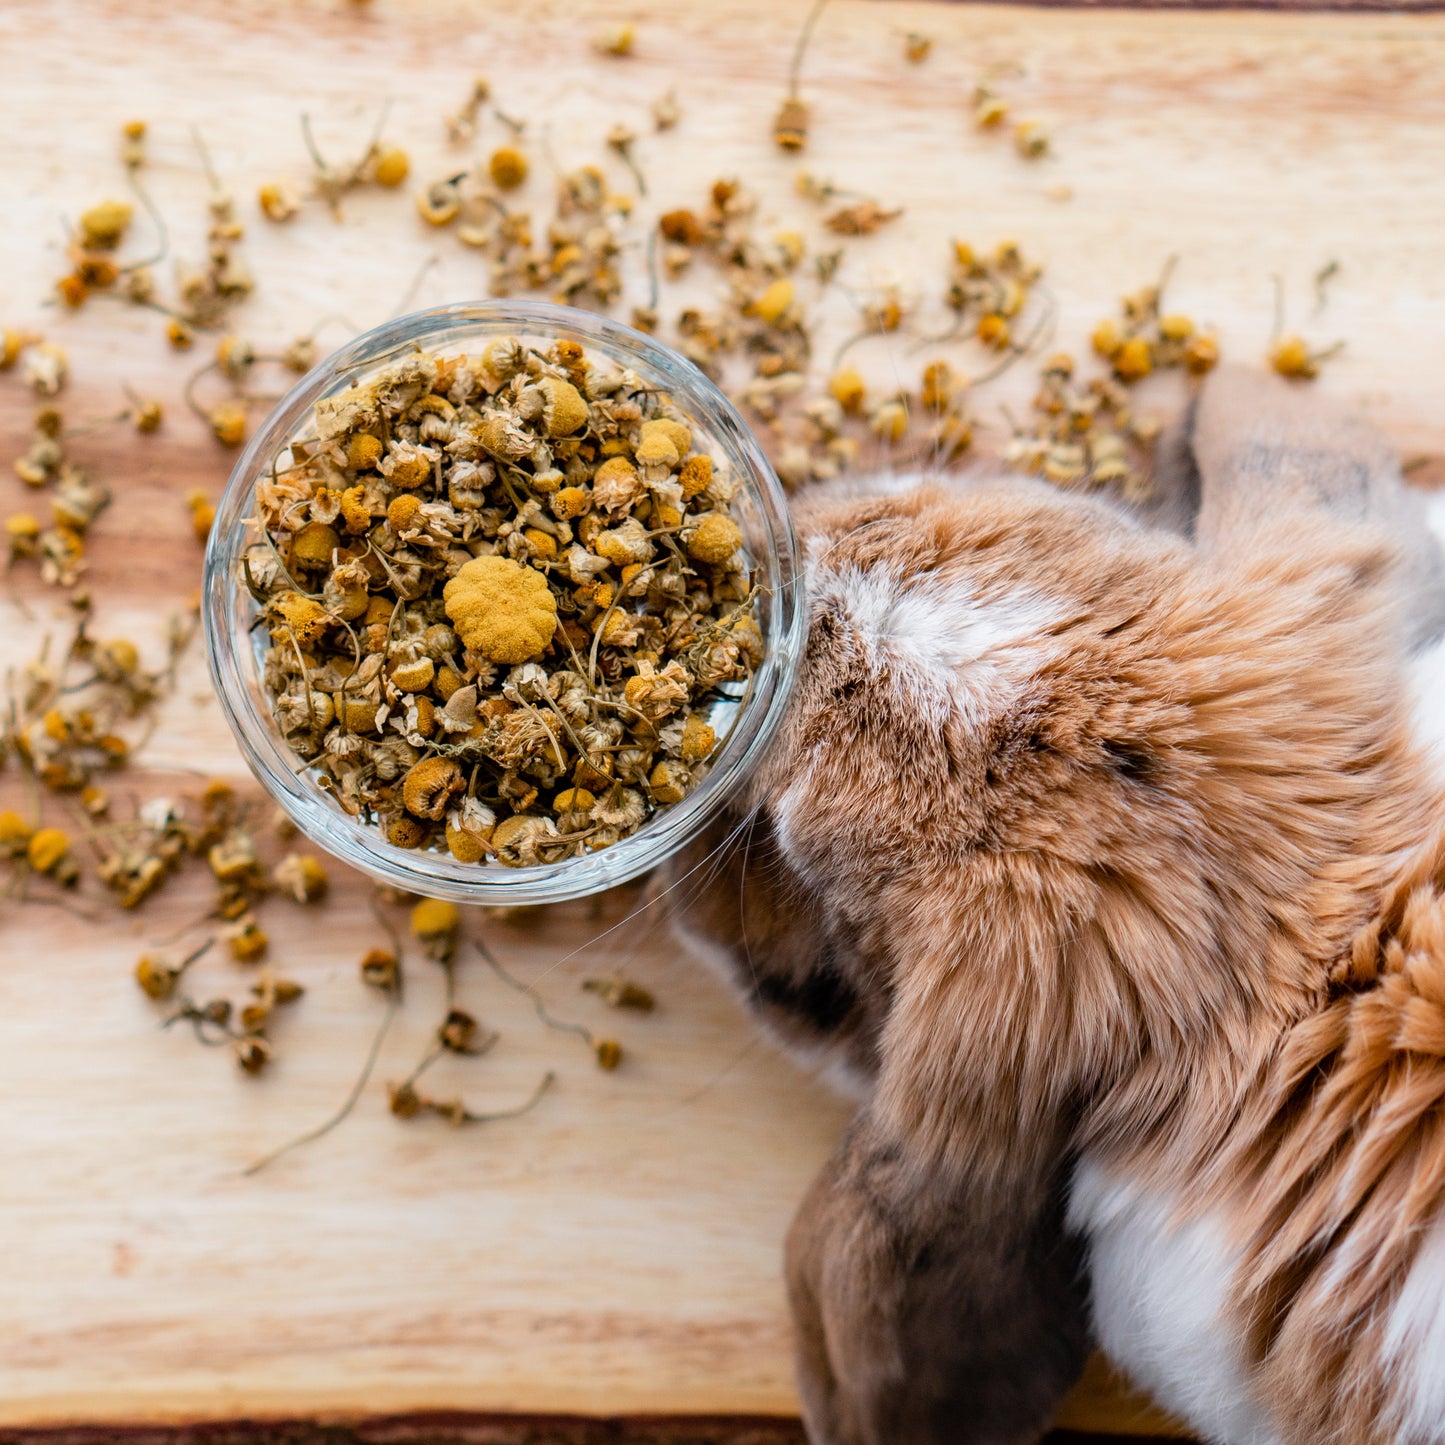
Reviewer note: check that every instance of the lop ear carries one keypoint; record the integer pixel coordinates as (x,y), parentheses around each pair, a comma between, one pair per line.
(937,1294)
(929,1310)
(937,1298)
(1267,450)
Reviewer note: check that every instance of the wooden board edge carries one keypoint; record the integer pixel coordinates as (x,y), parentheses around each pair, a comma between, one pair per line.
(429,1428)
(460,1428)
(1293,7)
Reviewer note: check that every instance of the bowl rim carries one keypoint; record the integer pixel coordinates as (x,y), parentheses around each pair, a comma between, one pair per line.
(436,874)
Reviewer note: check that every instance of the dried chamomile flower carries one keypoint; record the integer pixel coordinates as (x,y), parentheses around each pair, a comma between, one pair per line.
(715,537)
(508,167)
(1031,140)
(103,226)
(1134,359)
(775,303)
(73,291)
(228,423)
(430,787)
(22,534)
(916,47)
(458,1033)
(278,201)
(132,144)
(15,833)
(268,994)
(252,1052)
(156,977)
(654,693)
(665,111)
(790,124)
(621,993)
(45,367)
(436,924)
(847,389)
(203,513)
(47,850)
(862,218)
(697,740)
(615,40)
(461,125)
(440,203)
(247,941)
(1292,357)
(501,609)
(381,970)
(235,356)
(390,167)
(993,330)
(12,343)
(669,781)
(889,421)
(469,830)
(1201,353)
(232,859)
(303,876)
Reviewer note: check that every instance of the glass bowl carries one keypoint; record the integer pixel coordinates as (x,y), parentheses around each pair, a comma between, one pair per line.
(745,723)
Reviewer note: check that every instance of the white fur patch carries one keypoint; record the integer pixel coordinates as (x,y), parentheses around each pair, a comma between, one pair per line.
(1427,672)
(1414,1347)
(963,650)
(1158,1289)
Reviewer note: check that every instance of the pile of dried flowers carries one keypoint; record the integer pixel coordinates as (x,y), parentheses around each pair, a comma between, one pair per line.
(501,592)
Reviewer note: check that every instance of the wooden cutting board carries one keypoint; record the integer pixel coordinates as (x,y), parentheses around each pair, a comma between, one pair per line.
(616,1251)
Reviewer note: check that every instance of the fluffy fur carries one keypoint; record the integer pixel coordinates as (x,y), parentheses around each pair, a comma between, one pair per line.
(1084,841)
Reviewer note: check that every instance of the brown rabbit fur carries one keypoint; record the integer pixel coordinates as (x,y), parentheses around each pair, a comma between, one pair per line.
(1079,838)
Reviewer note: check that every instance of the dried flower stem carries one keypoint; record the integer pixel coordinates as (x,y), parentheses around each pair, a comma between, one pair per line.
(560,1025)
(468,1116)
(368,1064)
(795,69)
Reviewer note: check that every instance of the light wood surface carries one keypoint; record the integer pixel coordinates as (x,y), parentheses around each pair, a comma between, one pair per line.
(617,1251)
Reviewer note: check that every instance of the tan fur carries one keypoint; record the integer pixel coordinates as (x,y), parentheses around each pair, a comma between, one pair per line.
(1165,841)
(1337,1167)
(1172,896)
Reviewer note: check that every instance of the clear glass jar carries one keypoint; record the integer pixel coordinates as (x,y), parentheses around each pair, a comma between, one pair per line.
(744,724)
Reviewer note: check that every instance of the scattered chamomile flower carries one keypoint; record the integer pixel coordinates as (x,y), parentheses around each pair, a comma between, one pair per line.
(615,40)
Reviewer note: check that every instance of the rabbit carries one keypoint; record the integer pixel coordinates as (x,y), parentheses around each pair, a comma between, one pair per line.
(1100,859)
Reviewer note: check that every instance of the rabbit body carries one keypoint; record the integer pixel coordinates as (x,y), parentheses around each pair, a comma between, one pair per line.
(1107,867)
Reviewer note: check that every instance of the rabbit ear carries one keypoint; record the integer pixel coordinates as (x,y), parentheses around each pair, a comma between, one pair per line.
(1267,450)
(1265,445)
(927,1311)
(1173,502)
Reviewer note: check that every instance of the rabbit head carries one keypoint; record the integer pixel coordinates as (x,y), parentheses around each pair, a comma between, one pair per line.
(932,687)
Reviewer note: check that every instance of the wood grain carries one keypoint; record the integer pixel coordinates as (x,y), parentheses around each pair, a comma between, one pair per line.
(617,1252)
